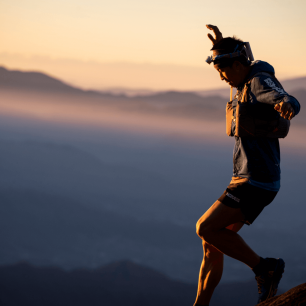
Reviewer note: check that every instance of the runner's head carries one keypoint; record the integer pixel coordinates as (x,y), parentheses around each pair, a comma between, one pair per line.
(230,45)
(234,65)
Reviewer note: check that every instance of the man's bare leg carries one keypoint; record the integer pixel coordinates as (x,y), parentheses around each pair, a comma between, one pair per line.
(211,270)
(211,227)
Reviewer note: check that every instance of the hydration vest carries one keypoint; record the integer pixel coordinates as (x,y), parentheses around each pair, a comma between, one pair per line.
(249,124)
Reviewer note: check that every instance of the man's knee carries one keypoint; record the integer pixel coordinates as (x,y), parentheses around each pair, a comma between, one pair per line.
(204,230)
(211,253)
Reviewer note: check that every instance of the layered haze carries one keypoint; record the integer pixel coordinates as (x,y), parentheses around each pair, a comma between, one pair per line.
(91,177)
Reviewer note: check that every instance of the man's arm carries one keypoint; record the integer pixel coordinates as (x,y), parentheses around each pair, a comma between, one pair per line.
(268,90)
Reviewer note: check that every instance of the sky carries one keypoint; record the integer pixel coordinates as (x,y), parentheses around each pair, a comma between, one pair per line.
(137,44)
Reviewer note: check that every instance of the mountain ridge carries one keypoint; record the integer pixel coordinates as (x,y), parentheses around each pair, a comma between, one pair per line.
(185,104)
(137,285)
(40,81)
(107,285)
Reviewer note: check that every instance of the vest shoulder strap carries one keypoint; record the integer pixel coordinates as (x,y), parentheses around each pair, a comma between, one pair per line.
(248,83)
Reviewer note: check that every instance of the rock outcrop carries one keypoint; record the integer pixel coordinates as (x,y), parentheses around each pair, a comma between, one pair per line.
(293,297)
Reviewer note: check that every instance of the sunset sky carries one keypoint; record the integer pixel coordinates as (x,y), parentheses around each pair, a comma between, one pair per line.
(160,44)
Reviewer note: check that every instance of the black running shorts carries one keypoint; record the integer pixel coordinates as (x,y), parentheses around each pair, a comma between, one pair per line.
(250,199)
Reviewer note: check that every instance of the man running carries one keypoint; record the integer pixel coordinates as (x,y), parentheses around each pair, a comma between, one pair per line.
(256,119)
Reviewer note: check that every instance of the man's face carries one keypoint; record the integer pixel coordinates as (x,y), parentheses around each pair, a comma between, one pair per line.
(231,75)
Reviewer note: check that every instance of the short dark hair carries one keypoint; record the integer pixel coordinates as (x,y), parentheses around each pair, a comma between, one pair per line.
(228,45)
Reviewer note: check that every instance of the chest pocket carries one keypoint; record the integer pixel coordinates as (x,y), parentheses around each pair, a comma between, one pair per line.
(239,115)
(247,124)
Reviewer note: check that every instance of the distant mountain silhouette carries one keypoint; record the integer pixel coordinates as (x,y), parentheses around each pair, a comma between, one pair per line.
(199,105)
(120,283)
(116,284)
(38,82)
(294,84)
(174,103)
(173,97)
(14,79)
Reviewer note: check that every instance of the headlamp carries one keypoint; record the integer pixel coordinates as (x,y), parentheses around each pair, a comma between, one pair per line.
(245,47)
(209,59)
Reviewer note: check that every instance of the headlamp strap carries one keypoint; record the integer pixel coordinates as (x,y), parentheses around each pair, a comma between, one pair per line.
(247,53)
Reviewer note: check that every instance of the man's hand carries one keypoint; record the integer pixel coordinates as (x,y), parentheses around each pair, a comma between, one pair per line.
(285,109)
(218,34)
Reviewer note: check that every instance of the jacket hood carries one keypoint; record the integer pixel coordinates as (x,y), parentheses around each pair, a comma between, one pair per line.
(261,66)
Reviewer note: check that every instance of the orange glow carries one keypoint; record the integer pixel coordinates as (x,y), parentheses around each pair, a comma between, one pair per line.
(145,44)
(76,110)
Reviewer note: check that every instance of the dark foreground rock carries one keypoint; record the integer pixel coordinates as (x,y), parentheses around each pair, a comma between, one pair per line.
(293,297)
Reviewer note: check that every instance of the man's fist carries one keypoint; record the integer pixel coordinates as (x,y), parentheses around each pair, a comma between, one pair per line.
(285,110)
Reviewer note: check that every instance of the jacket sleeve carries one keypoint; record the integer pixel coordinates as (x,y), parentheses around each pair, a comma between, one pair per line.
(268,90)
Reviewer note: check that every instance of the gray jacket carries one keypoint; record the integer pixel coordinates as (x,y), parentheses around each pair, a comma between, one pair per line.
(258,158)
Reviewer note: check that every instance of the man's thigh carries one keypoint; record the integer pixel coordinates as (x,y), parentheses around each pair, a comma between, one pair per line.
(236,227)
(220,216)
